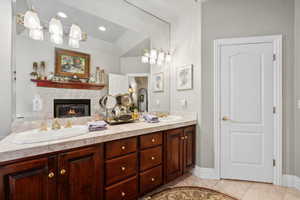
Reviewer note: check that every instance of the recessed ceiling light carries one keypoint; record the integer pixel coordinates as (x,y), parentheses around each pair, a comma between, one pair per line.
(102,28)
(62,14)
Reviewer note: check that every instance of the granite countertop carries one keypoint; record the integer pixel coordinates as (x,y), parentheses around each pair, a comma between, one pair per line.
(10,151)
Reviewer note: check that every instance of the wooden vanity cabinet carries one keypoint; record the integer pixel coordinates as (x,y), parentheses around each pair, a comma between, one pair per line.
(80,174)
(29,180)
(180,145)
(73,175)
(123,169)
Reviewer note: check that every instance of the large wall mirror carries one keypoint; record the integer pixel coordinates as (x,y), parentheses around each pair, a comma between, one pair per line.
(83,50)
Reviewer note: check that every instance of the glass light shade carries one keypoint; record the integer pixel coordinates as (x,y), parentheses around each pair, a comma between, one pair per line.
(159,62)
(75,32)
(152,61)
(145,59)
(153,54)
(36,34)
(32,20)
(168,58)
(161,56)
(56,39)
(55,27)
(74,43)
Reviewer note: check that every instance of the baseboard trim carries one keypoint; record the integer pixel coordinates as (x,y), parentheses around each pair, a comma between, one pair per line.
(291,181)
(205,173)
(210,173)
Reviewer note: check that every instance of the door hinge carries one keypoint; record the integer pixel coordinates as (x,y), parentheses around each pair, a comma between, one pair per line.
(274,57)
(274,110)
(274,163)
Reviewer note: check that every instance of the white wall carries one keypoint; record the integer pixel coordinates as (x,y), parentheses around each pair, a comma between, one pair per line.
(5,69)
(186,43)
(29,51)
(133,65)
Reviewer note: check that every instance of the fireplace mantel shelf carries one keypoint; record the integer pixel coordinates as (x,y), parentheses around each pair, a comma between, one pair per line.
(68,85)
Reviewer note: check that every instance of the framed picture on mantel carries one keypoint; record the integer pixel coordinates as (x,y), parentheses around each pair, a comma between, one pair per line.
(70,63)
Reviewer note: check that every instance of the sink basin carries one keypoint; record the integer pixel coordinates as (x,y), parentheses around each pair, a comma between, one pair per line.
(170,118)
(36,136)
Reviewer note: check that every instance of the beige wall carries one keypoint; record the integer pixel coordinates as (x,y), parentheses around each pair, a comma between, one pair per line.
(5,69)
(297,87)
(243,18)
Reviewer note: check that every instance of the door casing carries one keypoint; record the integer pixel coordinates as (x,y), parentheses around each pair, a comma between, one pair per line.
(276,40)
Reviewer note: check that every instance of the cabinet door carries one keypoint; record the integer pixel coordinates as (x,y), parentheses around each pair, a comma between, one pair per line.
(81,174)
(29,180)
(189,149)
(174,140)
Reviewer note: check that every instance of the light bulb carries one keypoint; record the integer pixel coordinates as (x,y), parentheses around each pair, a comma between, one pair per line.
(56,39)
(152,61)
(153,54)
(74,43)
(161,56)
(168,58)
(36,34)
(145,59)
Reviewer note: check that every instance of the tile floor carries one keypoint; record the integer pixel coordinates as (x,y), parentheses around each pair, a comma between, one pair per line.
(240,189)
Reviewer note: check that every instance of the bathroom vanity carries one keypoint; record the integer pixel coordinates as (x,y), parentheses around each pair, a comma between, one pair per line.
(122,162)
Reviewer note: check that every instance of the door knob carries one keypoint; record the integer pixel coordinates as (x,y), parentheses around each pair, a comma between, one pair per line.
(51,175)
(225,118)
(63,172)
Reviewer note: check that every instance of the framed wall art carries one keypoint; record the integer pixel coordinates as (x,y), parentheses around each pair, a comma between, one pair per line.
(184,77)
(70,63)
(158,82)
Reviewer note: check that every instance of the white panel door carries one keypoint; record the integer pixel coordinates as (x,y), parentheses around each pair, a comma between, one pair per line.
(247,112)
(117,84)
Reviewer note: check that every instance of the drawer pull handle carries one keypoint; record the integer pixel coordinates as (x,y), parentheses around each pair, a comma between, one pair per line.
(152,179)
(51,175)
(63,172)
(123,168)
(153,140)
(123,147)
(123,194)
(152,158)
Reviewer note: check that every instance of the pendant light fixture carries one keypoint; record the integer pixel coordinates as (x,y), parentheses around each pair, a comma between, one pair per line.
(75,36)
(156,57)
(56,31)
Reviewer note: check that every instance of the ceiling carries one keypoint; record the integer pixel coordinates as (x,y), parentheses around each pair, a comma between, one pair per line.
(88,22)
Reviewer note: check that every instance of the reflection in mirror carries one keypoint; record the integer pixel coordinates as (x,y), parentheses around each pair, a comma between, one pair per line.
(73,50)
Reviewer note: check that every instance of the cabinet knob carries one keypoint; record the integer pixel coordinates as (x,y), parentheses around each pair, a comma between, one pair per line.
(153,140)
(186,137)
(63,172)
(123,147)
(152,158)
(123,168)
(182,137)
(51,175)
(123,194)
(152,179)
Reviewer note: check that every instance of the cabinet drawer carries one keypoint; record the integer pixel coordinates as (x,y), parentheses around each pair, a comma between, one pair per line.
(120,147)
(125,190)
(150,179)
(150,158)
(150,140)
(120,168)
